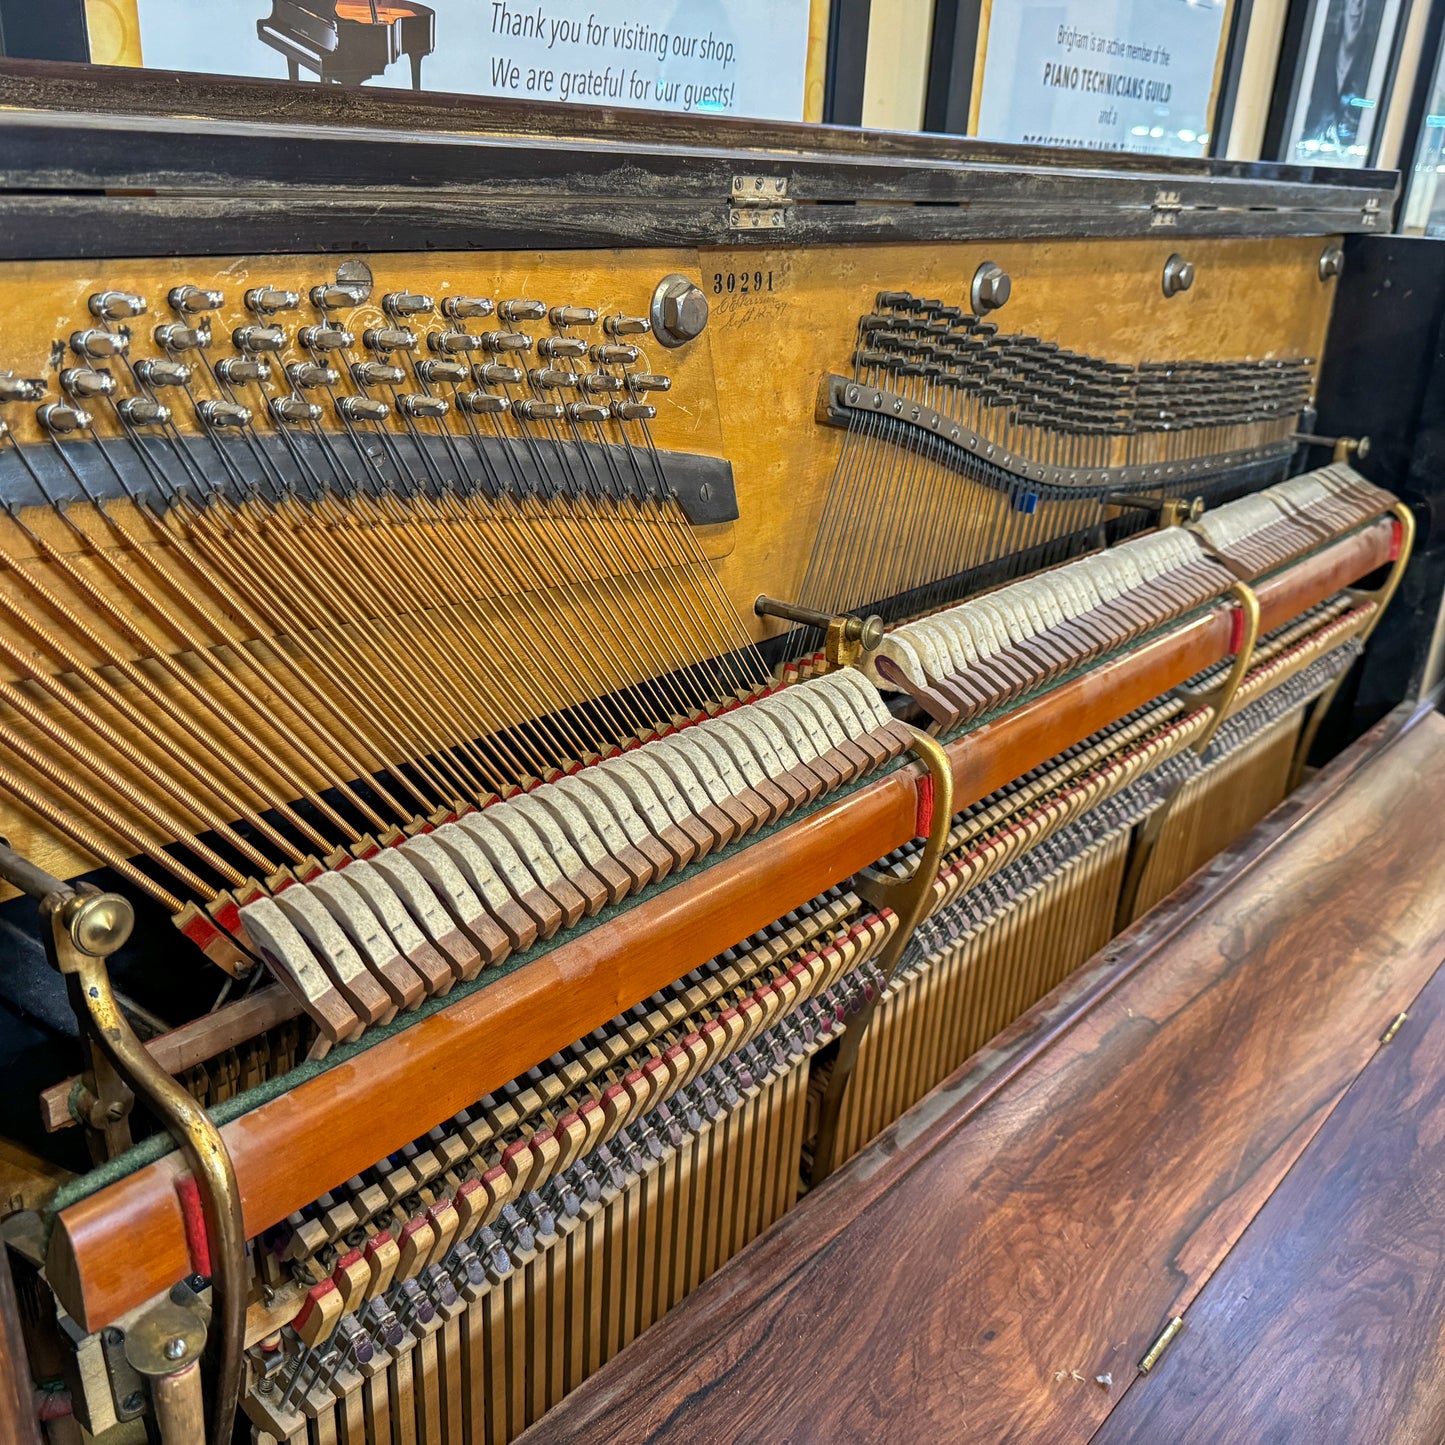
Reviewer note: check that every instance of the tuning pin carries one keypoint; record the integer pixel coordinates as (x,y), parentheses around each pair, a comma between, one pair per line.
(551,378)
(17,388)
(561,346)
(304,375)
(498,341)
(116,305)
(450,342)
(494,373)
(139,411)
(522,310)
(163,373)
(192,300)
(418,404)
(633,411)
(586,412)
(325,338)
(432,371)
(295,409)
(335,298)
(175,337)
(406,303)
(268,300)
(239,371)
(388,338)
(483,403)
(362,408)
(537,410)
(614,354)
(83,383)
(97,343)
(572,316)
(253,339)
(601,381)
(644,381)
(379,373)
(627,326)
(56,417)
(224,414)
(466,308)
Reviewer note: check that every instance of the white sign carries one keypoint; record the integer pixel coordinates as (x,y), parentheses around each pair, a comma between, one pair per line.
(1113,75)
(719,57)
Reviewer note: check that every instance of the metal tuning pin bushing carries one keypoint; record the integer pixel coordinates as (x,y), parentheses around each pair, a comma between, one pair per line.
(239,371)
(325,338)
(522,310)
(572,316)
(406,303)
(419,404)
(18,388)
(224,414)
(268,300)
(97,343)
(641,382)
(615,353)
(601,381)
(627,326)
(304,375)
(378,373)
(554,347)
(449,343)
(56,417)
(254,339)
(163,373)
(499,341)
(586,411)
(194,300)
(139,411)
(633,411)
(116,305)
(432,372)
(466,308)
(552,378)
(537,410)
(294,409)
(362,408)
(494,373)
(335,298)
(483,403)
(83,383)
(388,338)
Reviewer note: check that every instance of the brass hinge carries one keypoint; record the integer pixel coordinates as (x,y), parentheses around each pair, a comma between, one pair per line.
(758,203)
(1166,1338)
(1370,211)
(1166,208)
(1394,1028)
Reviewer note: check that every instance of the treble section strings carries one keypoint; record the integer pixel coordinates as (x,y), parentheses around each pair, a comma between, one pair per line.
(921,514)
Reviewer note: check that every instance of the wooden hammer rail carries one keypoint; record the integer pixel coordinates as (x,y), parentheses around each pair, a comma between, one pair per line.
(338,1121)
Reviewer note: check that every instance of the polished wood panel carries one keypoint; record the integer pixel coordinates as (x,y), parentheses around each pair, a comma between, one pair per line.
(995,1268)
(339,1123)
(1327,1321)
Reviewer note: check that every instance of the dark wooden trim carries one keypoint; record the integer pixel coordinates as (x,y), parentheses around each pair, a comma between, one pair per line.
(848,22)
(18,1423)
(1224,103)
(952,52)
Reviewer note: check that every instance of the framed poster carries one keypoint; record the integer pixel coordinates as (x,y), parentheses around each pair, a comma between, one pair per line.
(1112,75)
(717,57)
(1342,54)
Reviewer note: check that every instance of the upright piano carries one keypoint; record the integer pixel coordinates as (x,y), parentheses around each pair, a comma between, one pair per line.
(553,688)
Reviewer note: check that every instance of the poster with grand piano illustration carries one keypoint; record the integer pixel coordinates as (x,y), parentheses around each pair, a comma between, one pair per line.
(725,57)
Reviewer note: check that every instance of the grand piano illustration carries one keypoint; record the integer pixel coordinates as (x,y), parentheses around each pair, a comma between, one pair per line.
(349,41)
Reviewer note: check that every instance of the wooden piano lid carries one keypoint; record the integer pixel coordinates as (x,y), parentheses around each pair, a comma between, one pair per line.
(1000,1260)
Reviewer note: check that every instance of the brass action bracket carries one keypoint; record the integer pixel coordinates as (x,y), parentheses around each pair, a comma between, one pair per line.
(909,898)
(1381,597)
(83,927)
(1220,698)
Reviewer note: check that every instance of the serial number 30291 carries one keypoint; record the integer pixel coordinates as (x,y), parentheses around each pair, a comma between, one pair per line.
(742,283)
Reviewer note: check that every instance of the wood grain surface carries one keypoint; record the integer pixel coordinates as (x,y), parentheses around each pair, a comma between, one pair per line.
(977,1278)
(1327,1321)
